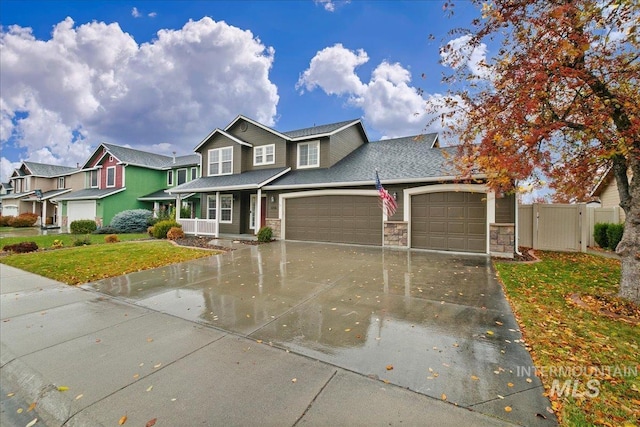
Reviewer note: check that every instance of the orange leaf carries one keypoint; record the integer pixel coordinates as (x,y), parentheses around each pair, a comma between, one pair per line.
(389,367)
(31,407)
(122,420)
(443,397)
(151,422)
(507,409)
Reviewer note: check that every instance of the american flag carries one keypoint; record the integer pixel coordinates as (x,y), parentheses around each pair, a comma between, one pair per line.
(389,204)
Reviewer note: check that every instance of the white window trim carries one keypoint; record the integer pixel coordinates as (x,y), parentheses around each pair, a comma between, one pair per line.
(263,149)
(215,210)
(61,180)
(170,177)
(114,177)
(97,172)
(219,161)
(186,172)
(311,143)
(226,196)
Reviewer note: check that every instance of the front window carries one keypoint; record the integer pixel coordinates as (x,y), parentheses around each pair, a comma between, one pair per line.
(93,179)
(221,161)
(264,155)
(309,154)
(169,177)
(182,176)
(61,182)
(211,207)
(111,176)
(226,208)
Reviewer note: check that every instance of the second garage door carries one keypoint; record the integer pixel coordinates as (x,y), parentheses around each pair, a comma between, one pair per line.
(450,221)
(81,209)
(338,219)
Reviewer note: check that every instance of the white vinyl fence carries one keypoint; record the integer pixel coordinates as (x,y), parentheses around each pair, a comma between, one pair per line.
(560,227)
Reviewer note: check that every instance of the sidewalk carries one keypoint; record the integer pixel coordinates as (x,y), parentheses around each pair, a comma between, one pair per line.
(119,360)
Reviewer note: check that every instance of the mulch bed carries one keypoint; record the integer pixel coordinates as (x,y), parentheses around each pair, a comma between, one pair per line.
(526,255)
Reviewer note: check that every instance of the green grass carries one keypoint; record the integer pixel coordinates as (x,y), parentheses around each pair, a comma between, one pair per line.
(562,335)
(84,264)
(46,241)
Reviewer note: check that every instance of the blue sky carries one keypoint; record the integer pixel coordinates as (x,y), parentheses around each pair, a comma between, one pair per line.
(160,75)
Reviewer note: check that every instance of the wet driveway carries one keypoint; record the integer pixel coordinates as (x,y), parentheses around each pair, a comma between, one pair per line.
(437,324)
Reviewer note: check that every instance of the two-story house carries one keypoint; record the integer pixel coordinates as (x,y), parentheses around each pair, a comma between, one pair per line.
(117,178)
(318,184)
(34,189)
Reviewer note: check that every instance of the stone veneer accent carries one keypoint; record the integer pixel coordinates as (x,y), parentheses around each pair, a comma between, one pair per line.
(502,240)
(396,233)
(274,223)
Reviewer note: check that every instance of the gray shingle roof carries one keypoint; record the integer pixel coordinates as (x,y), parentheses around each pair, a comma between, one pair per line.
(42,169)
(51,194)
(89,194)
(188,160)
(137,157)
(317,130)
(246,180)
(396,160)
(158,195)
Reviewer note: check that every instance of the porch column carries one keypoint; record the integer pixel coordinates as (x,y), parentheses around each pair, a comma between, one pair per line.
(258,211)
(43,222)
(178,206)
(217,223)
(156,207)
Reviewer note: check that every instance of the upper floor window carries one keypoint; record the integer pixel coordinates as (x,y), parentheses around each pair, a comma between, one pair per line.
(182,176)
(61,182)
(93,179)
(27,184)
(264,155)
(194,173)
(169,177)
(111,176)
(221,161)
(309,154)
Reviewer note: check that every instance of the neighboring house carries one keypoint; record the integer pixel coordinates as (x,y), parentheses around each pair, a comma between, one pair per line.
(117,178)
(607,191)
(5,188)
(34,189)
(317,184)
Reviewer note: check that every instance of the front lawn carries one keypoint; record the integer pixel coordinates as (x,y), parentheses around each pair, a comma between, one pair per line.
(597,353)
(77,265)
(46,241)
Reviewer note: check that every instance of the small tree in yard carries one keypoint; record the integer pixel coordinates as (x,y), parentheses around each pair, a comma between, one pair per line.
(560,97)
(132,221)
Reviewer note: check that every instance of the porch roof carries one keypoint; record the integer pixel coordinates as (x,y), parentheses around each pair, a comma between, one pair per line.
(242,181)
(47,195)
(90,194)
(161,195)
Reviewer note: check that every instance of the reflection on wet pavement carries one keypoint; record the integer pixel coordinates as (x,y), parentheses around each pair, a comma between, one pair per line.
(437,324)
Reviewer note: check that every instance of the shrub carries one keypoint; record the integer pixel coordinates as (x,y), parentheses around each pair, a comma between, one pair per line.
(111,238)
(175,233)
(106,230)
(82,241)
(265,234)
(150,231)
(57,244)
(5,220)
(185,212)
(83,226)
(21,248)
(600,234)
(161,228)
(614,235)
(132,221)
(24,220)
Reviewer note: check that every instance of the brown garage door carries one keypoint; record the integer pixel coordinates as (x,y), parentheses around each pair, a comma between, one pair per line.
(338,219)
(453,221)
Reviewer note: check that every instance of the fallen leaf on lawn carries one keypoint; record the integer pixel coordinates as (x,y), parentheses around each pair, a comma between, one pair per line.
(510,384)
(456,345)
(151,422)
(507,409)
(157,365)
(259,341)
(499,323)
(20,410)
(174,399)
(31,407)
(122,420)
(10,394)
(347,330)
(334,309)
(389,367)
(78,397)
(473,377)
(149,388)
(489,332)
(63,388)
(294,380)
(32,423)
(443,397)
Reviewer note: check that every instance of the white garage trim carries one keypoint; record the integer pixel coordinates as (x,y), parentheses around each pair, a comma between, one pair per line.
(458,188)
(283,197)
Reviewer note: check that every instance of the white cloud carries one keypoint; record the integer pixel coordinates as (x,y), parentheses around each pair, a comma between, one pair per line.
(331,5)
(93,83)
(461,52)
(6,168)
(390,104)
(135,13)
(152,14)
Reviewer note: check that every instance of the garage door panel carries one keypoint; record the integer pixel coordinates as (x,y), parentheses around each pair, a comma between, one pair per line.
(81,209)
(339,219)
(454,221)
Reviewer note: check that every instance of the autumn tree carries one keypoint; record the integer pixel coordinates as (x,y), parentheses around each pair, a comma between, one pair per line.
(559,98)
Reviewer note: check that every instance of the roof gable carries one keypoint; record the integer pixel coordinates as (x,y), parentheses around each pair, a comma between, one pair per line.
(46,170)
(224,133)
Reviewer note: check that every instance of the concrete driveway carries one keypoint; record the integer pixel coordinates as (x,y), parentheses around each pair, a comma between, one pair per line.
(436,324)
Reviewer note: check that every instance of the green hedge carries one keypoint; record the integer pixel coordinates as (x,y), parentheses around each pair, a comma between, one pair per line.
(614,235)
(600,234)
(160,229)
(83,226)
